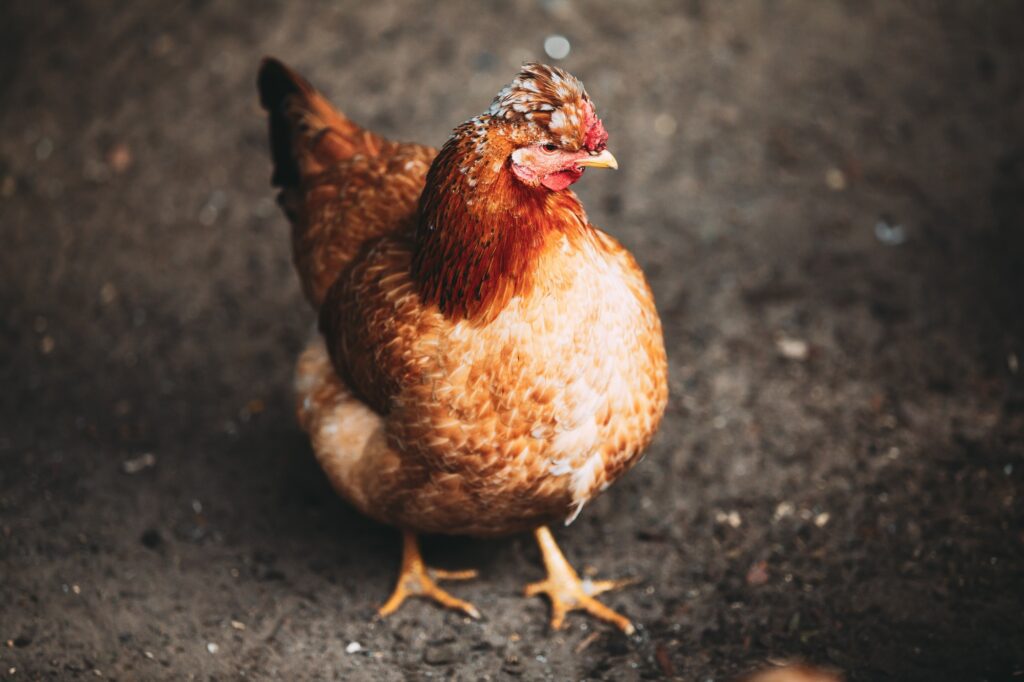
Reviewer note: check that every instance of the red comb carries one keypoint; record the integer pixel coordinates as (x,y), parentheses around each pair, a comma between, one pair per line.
(596,138)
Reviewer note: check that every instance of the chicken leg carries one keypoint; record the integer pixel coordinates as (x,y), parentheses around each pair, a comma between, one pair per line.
(567,592)
(417,580)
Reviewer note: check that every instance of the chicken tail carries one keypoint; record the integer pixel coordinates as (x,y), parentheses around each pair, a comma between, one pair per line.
(307,134)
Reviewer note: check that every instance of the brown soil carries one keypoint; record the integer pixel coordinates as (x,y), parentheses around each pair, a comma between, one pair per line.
(845,175)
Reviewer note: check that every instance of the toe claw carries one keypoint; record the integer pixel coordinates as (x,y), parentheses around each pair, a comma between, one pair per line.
(470,610)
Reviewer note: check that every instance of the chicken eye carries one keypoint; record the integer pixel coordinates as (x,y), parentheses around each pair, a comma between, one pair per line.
(549,147)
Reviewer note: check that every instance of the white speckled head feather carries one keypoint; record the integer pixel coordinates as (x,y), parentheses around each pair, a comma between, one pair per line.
(554,102)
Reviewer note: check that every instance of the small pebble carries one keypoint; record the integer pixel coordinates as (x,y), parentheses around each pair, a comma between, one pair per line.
(108,293)
(890,234)
(821,519)
(835,179)
(238,625)
(732,518)
(44,148)
(212,647)
(664,124)
(353,648)
(119,158)
(140,463)
(792,349)
(557,46)
(210,211)
(758,573)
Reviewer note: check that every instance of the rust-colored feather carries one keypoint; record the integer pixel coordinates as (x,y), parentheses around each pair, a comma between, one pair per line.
(341,185)
(482,234)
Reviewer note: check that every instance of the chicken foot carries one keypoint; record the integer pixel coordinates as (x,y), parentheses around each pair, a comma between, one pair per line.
(417,580)
(567,592)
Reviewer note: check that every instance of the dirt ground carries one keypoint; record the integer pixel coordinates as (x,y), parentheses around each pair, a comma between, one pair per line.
(827,198)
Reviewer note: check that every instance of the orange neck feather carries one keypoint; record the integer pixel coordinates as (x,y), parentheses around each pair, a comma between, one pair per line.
(481,231)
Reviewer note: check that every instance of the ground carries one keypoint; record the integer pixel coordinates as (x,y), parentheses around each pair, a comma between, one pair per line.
(827,198)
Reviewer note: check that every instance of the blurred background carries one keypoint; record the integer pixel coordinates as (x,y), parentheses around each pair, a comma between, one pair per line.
(827,198)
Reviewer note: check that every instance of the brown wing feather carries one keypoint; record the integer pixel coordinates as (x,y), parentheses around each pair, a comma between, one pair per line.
(341,185)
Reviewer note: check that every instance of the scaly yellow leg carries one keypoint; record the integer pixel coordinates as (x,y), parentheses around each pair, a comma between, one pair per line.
(416,580)
(567,592)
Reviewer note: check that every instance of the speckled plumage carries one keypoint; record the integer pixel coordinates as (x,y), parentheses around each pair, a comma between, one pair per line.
(488,360)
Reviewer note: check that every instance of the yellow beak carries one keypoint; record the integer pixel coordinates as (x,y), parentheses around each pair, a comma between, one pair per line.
(602,159)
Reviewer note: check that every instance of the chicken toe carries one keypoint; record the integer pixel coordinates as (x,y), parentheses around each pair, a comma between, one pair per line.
(567,592)
(417,580)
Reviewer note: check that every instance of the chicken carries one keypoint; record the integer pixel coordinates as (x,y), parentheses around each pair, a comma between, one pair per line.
(487,360)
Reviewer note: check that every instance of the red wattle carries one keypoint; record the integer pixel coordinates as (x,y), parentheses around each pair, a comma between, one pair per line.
(556,182)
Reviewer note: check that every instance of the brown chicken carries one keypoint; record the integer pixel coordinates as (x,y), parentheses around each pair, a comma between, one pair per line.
(488,361)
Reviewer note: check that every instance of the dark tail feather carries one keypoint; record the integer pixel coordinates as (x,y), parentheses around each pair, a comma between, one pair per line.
(276,84)
(307,134)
